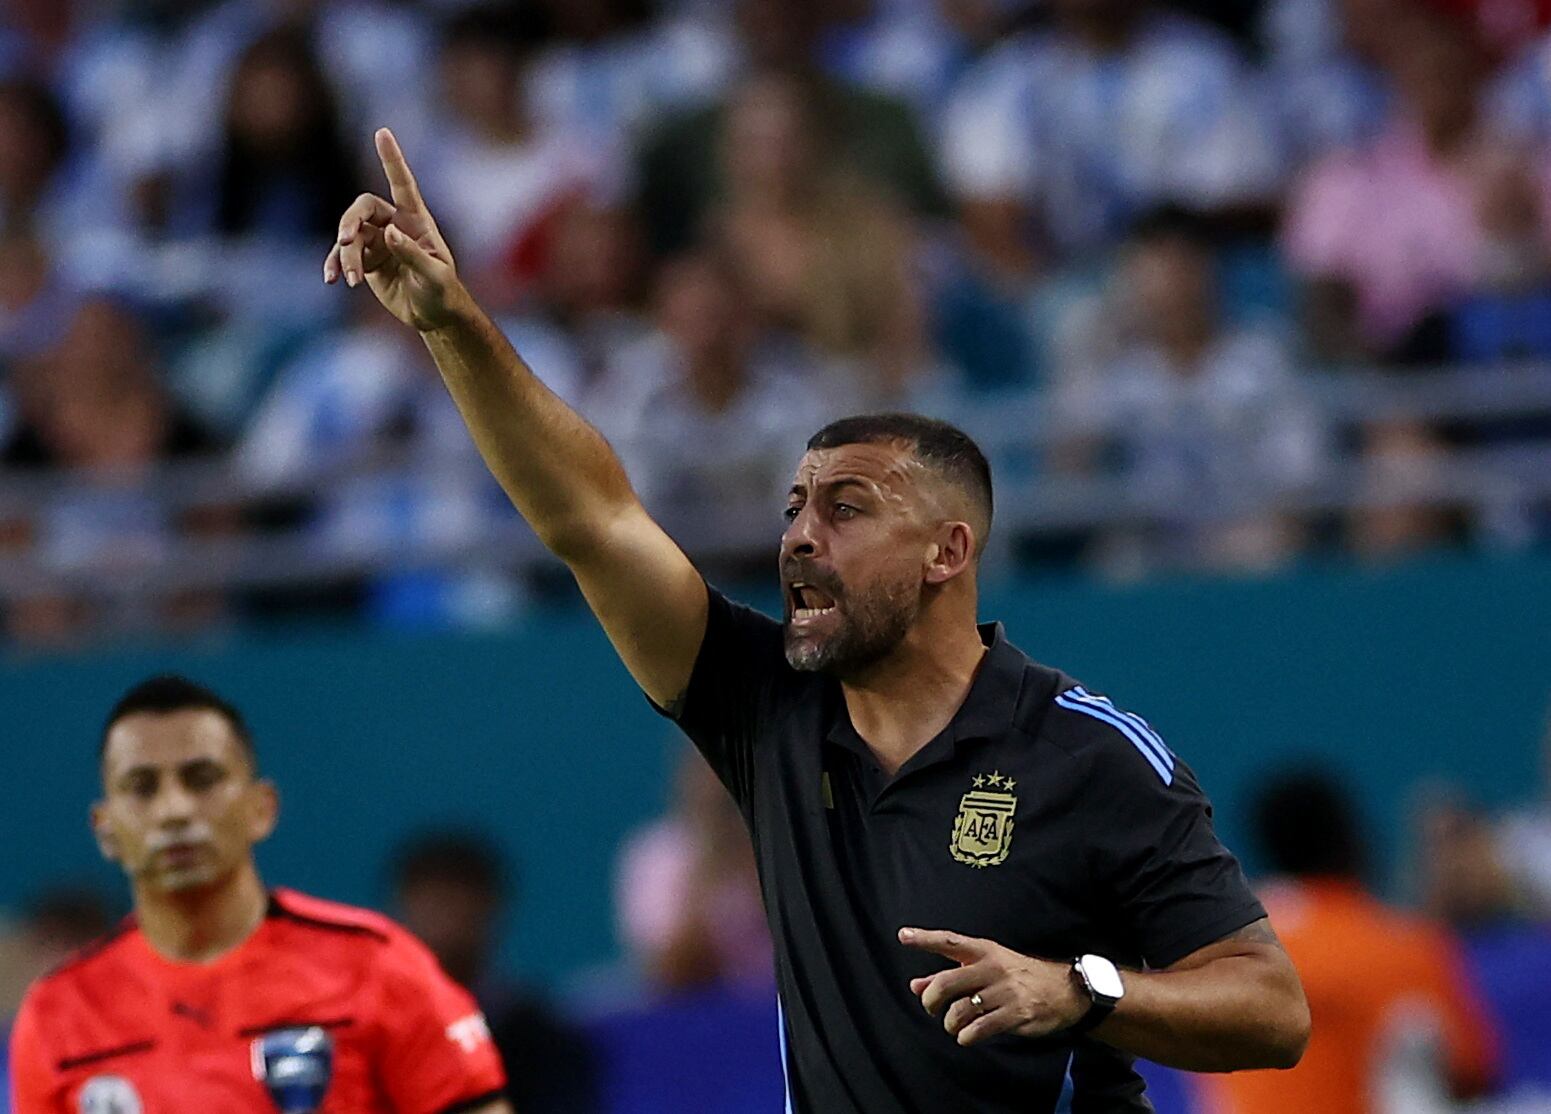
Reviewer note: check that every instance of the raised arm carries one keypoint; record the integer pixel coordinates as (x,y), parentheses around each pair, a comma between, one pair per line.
(558,471)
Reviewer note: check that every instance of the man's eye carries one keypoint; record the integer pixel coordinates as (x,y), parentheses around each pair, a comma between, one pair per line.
(845,510)
(203,777)
(141,787)
(791,513)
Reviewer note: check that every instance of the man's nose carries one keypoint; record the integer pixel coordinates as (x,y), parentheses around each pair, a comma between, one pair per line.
(800,539)
(174,806)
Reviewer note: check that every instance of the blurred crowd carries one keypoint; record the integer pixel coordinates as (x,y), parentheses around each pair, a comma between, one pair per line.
(713,225)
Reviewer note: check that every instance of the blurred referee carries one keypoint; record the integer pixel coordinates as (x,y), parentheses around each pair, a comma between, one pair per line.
(989,887)
(217,995)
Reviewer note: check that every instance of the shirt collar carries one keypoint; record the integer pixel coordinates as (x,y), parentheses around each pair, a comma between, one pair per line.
(987,712)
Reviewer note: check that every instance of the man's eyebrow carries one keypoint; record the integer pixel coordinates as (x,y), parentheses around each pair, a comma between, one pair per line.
(841,482)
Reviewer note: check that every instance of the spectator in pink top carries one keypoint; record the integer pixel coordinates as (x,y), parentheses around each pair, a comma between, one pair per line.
(1407,222)
(687,896)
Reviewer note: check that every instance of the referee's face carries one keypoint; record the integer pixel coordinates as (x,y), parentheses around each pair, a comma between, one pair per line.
(181,807)
(858,532)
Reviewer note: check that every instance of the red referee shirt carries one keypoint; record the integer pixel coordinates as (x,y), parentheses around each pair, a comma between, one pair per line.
(139,1034)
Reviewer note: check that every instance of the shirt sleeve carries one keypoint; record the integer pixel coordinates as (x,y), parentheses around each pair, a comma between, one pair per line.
(1173,886)
(33,1089)
(436,1055)
(733,690)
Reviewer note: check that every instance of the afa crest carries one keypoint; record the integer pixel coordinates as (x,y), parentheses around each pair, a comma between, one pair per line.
(982,831)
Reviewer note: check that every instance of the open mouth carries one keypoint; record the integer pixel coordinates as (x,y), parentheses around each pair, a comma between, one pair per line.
(809,603)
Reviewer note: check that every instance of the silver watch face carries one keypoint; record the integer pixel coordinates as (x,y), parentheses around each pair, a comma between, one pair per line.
(1102,977)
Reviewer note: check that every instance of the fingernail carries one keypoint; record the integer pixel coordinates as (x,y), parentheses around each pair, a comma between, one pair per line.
(907,934)
(351,278)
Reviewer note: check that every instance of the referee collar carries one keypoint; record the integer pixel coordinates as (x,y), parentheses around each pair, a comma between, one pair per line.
(989,709)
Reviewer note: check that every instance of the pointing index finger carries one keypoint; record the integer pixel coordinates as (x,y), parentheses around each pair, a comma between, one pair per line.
(953,945)
(401,180)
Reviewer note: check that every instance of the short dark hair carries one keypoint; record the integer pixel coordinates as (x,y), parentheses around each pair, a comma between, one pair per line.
(169,692)
(462,857)
(944,448)
(1307,826)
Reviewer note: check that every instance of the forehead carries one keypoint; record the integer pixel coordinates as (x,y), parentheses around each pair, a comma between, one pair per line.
(886,464)
(170,739)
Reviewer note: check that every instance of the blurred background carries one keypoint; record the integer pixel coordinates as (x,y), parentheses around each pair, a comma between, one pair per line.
(1249,303)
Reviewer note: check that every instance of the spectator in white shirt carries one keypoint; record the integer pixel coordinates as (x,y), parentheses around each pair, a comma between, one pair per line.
(498,176)
(1058,139)
(1205,416)
(707,410)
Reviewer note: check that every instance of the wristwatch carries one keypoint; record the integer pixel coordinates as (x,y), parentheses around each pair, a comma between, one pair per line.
(1101,979)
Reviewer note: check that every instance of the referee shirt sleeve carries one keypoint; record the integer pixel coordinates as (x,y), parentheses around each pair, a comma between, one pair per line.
(732,690)
(1174,887)
(436,1056)
(33,1088)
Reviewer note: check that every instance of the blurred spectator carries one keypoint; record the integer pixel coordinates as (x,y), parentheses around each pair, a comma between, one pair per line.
(498,177)
(913,49)
(679,168)
(1396,1021)
(709,411)
(687,894)
(615,65)
(92,406)
(451,890)
(824,254)
(1189,403)
(592,286)
(34,145)
(283,171)
(34,301)
(55,923)
(1397,513)
(1525,841)
(1430,210)
(369,393)
(1323,70)
(1057,139)
(1466,884)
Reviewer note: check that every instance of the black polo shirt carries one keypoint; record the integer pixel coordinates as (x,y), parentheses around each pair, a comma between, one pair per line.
(1042,817)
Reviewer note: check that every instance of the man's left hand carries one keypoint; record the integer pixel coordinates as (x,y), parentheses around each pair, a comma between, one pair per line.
(1017,993)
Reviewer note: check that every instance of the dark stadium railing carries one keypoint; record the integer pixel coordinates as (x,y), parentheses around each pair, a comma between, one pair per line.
(1502,477)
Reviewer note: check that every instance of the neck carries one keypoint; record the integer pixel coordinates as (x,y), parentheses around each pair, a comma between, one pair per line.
(202,925)
(900,704)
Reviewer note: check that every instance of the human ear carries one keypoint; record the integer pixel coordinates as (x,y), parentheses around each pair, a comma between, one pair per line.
(951,554)
(102,831)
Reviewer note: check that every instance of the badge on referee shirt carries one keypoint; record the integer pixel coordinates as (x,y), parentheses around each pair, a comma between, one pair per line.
(109,1094)
(982,831)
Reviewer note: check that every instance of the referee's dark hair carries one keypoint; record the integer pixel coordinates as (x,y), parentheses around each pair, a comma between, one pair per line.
(1307,827)
(946,449)
(169,692)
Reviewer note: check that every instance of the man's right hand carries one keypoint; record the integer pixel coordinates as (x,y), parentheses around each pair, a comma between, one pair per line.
(397,248)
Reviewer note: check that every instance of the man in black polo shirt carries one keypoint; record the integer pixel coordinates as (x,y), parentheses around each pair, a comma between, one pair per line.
(989,887)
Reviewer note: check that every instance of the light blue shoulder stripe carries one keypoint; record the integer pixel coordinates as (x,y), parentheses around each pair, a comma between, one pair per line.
(1141,724)
(1138,724)
(786,1074)
(1124,727)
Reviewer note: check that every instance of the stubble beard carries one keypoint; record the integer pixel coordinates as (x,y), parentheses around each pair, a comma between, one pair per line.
(871,627)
